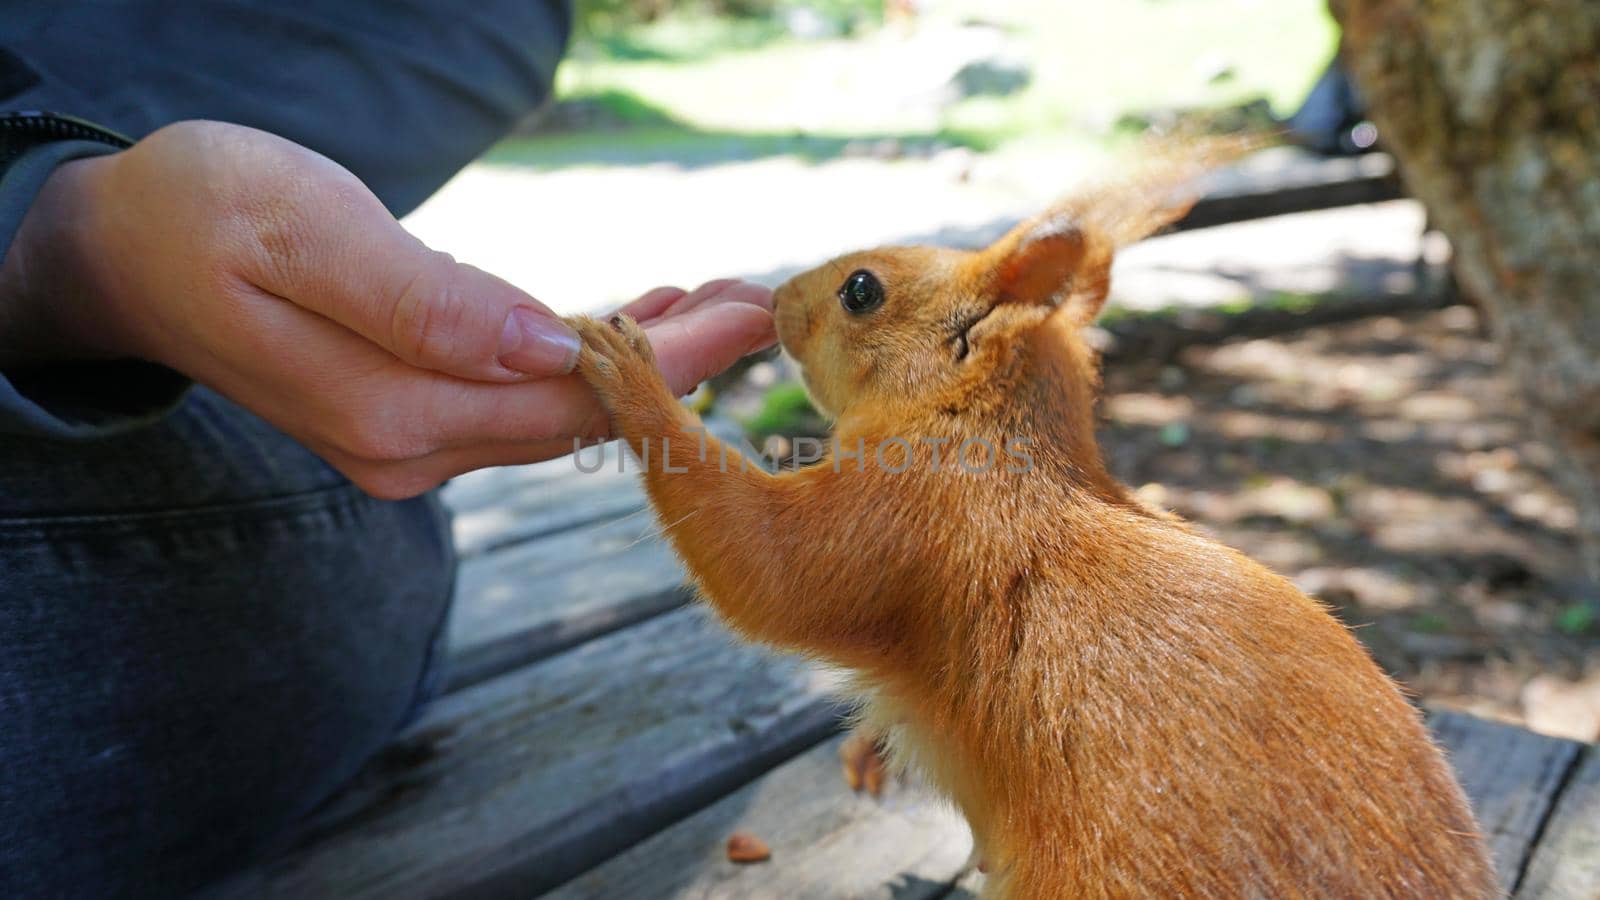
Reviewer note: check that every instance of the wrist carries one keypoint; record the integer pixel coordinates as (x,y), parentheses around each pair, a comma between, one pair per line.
(55,282)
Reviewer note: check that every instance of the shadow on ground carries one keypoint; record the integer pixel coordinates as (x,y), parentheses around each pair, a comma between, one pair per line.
(1384,465)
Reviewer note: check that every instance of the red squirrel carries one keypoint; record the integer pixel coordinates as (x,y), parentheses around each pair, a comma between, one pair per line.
(1119,705)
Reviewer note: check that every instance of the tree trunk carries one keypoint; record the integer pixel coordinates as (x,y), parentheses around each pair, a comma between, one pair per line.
(1492,108)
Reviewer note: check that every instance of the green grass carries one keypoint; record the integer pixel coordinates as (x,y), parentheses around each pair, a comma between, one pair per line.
(784,407)
(1576,619)
(658,141)
(1290,301)
(724,80)
(683,38)
(1429,623)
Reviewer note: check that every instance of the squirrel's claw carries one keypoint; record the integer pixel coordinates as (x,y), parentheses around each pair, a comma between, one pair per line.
(619,363)
(615,353)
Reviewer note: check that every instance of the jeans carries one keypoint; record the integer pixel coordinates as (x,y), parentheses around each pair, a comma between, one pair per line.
(204,631)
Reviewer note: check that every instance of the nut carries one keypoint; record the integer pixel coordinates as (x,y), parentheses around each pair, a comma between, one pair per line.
(744,847)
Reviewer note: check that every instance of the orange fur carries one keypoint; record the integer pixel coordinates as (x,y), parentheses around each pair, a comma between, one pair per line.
(1120,706)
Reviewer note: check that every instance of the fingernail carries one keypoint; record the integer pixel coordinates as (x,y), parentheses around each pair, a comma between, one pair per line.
(537,345)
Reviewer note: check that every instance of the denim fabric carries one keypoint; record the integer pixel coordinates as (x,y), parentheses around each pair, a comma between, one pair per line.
(204,631)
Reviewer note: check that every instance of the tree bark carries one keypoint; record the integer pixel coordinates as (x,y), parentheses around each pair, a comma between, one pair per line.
(1492,109)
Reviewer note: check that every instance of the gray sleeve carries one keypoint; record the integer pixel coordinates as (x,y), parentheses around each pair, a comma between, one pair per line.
(72,401)
(403,94)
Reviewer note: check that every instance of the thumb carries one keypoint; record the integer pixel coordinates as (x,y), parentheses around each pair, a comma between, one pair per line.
(338,252)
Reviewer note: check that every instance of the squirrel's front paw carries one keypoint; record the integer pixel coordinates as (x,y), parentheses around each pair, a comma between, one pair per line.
(618,362)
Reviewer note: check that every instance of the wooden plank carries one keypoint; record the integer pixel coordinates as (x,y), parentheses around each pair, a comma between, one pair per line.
(557,576)
(826,843)
(829,843)
(1512,776)
(485,488)
(566,557)
(1566,861)
(517,784)
(532,600)
(503,506)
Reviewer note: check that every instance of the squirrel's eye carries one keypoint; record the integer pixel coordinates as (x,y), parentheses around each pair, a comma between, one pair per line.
(861,292)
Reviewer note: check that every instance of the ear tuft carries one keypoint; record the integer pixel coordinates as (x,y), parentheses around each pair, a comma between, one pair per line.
(1063,257)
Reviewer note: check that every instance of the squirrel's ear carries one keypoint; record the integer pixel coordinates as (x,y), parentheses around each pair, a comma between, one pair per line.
(1036,262)
(1052,261)
(1063,257)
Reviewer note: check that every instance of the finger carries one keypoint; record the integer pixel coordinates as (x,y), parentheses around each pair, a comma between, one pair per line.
(688,349)
(698,296)
(723,290)
(371,409)
(695,351)
(651,303)
(329,246)
(662,302)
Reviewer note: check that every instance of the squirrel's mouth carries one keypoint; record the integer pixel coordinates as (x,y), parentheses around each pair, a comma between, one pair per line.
(961,327)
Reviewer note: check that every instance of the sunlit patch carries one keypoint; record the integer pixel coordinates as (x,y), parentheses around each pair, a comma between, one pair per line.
(1135,408)
(1373,588)
(1439,406)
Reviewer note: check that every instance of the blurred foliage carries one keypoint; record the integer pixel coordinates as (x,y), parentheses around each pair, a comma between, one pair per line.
(604,21)
(842,69)
(784,410)
(1576,619)
(1429,623)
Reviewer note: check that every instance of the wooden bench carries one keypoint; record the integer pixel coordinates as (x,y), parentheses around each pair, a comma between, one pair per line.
(601,737)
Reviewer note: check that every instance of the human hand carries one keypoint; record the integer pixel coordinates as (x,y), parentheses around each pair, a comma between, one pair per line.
(273,275)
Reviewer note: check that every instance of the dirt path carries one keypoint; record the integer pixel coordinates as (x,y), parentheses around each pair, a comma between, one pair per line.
(1382,465)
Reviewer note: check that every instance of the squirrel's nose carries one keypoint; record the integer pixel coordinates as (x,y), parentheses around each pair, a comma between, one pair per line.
(781,293)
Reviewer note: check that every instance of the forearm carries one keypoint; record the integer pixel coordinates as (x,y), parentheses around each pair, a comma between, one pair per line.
(762,546)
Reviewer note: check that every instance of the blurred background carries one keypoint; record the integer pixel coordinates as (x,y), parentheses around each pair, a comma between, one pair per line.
(1309,387)
(755,137)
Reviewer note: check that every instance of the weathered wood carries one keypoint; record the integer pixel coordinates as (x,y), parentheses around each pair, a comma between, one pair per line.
(1566,863)
(529,601)
(517,784)
(829,843)
(486,488)
(826,843)
(1511,775)
(557,576)
(499,507)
